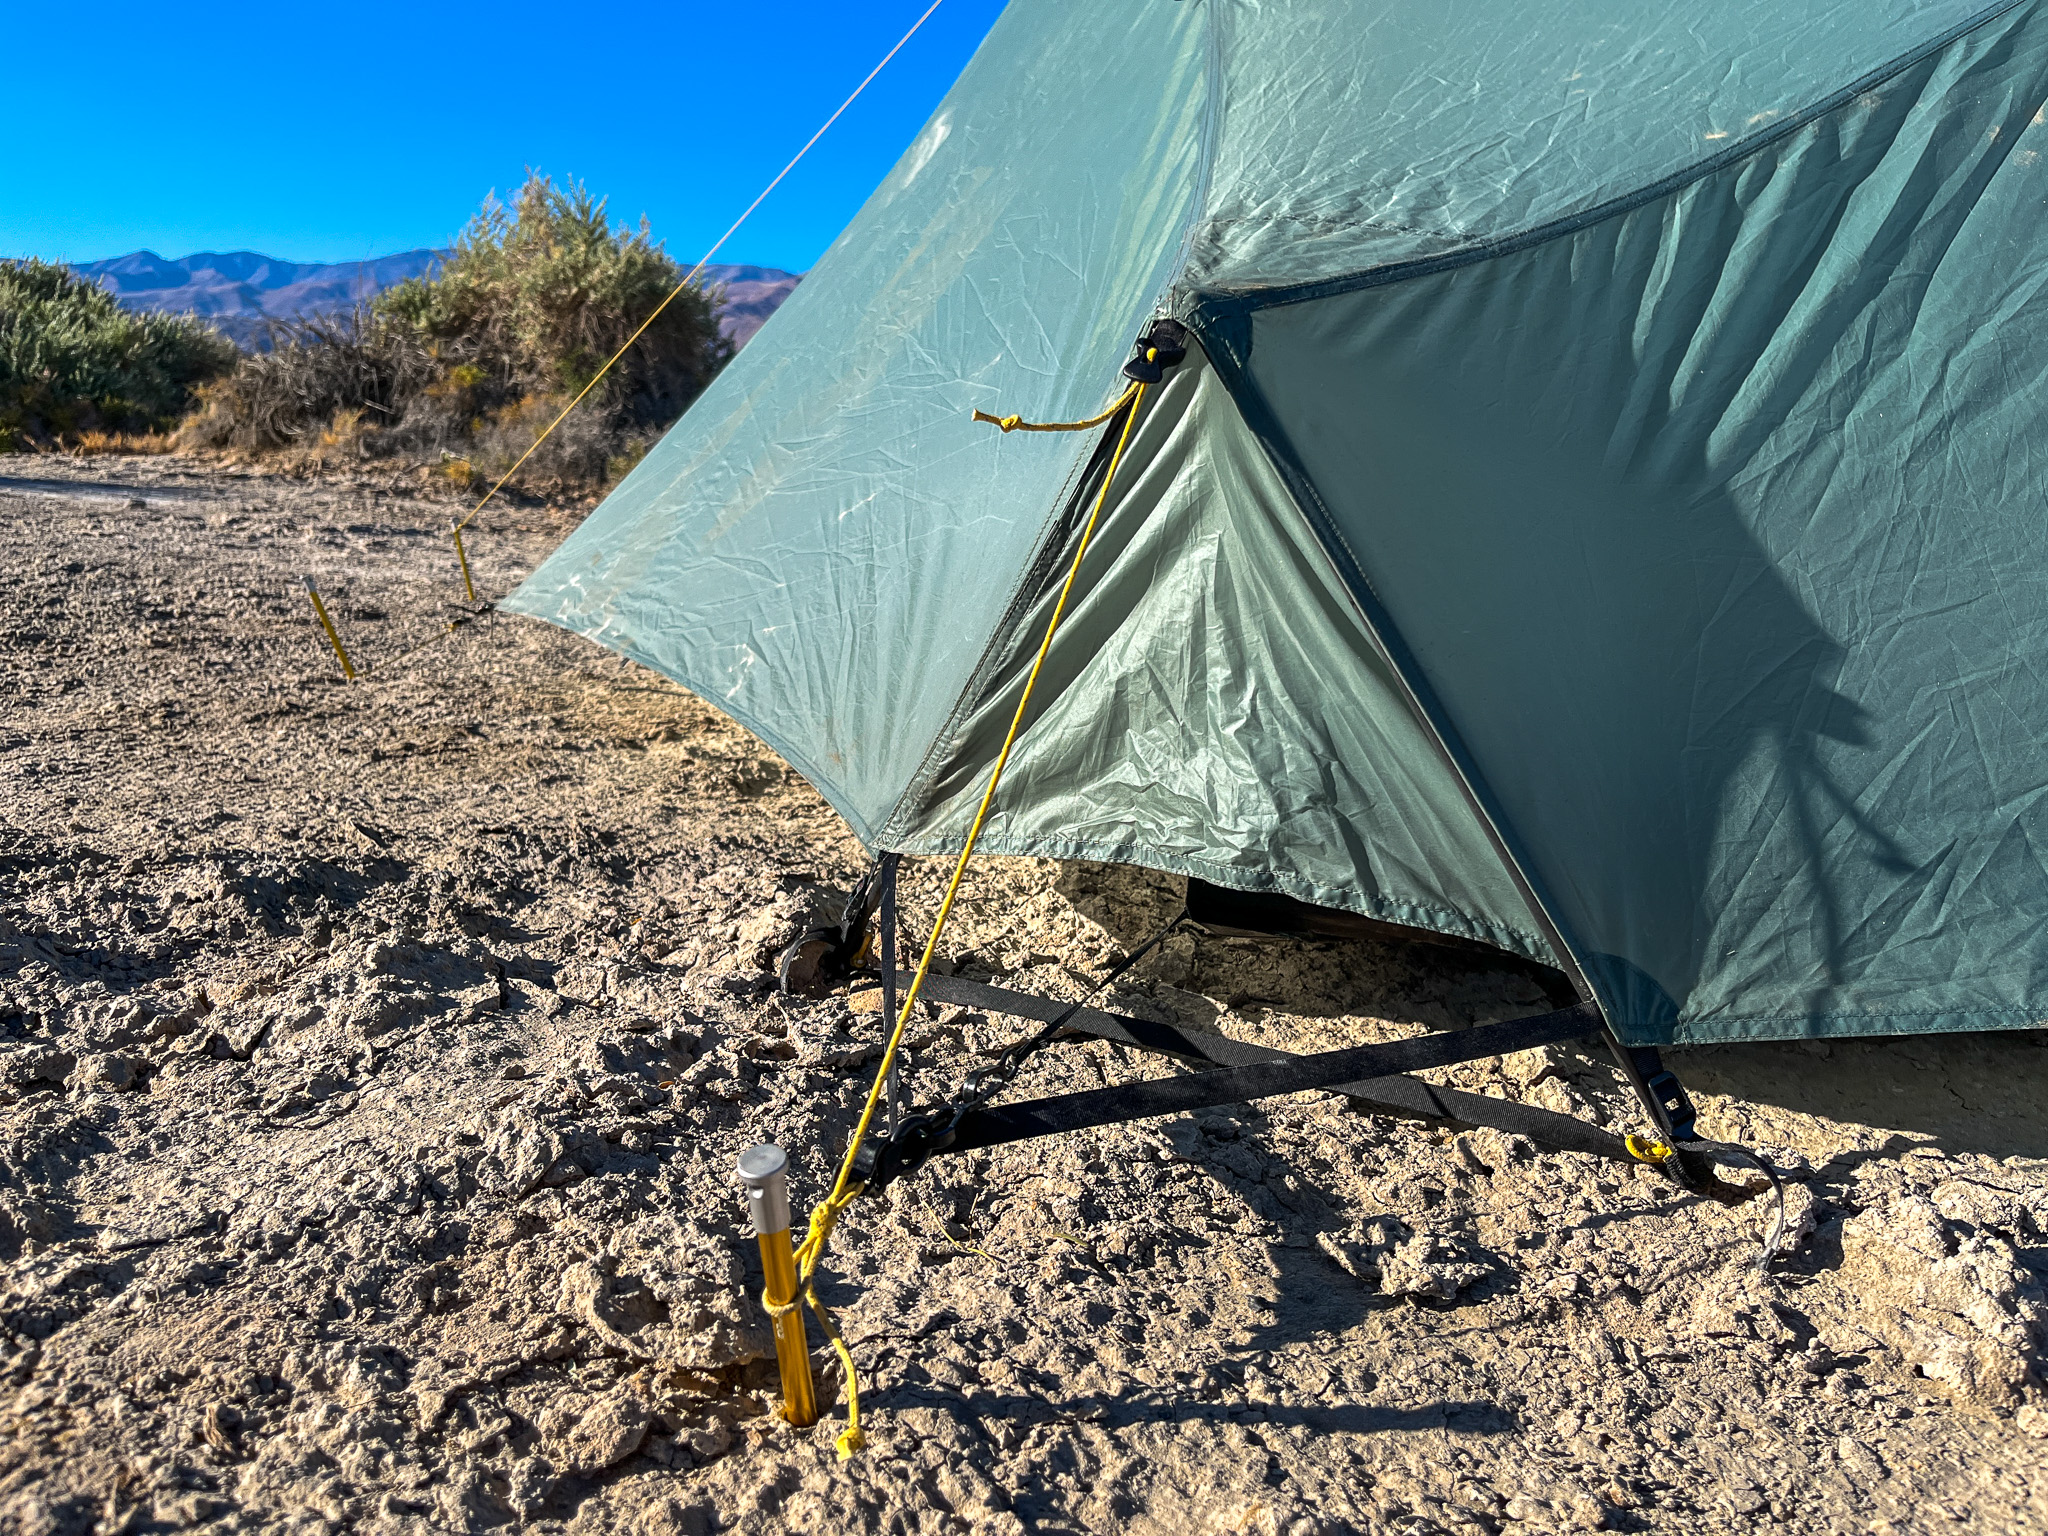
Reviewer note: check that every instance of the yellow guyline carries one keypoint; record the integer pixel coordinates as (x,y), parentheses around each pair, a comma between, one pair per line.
(844,1189)
(685,283)
(1019,424)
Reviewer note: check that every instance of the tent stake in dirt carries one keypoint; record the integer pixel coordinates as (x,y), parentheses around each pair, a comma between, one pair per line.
(468,586)
(348,670)
(765,1172)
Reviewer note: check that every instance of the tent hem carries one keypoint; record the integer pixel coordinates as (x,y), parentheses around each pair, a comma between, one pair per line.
(1448,921)
(1835,1026)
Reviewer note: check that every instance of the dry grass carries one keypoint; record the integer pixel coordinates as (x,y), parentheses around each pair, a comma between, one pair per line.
(87,443)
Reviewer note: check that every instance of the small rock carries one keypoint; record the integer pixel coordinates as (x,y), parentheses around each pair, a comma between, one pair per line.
(709,1440)
(1467,1153)
(31,1065)
(1529,1511)
(2031,1420)
(1858,1458)
(1955,1301)
(589,1436)
(1430,1267)
(585,982)
(109,1073)
(1744,1499)
(667,1517)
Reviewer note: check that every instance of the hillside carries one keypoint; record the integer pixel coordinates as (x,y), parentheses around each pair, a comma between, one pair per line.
(241,292)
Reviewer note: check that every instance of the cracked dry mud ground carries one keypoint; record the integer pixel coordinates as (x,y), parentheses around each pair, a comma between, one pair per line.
(373,1060)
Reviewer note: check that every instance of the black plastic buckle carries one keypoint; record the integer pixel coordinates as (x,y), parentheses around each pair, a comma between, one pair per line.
(1671,1096)
(1159,349)
(882,1161)
(826,956)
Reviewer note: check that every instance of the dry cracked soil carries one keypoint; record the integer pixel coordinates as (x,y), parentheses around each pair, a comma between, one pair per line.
(374,1058)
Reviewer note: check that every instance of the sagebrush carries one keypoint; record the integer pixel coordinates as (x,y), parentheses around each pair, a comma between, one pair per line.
(74,363)
(458,373)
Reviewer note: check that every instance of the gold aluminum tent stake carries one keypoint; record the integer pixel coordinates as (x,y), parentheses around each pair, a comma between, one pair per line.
(461,554)
(320,609)
(765,1172)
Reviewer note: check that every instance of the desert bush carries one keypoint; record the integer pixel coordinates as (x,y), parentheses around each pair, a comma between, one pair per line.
(461,371)
(290,393)
(544,291)
(73,361)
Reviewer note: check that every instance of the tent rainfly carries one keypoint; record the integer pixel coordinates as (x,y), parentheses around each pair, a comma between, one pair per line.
(1600,515)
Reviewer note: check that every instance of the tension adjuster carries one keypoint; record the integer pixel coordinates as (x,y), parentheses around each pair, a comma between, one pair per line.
(830,953)
(1159,349)
(1666,1089)
(882,1161)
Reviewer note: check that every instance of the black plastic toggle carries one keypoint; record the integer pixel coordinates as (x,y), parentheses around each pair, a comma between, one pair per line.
(881,1161)
(1159,349)
(1666,1089)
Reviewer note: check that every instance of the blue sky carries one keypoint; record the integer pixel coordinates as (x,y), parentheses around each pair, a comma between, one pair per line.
(319,134)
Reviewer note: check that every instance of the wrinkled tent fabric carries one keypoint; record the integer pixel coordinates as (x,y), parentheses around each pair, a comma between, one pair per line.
(1602,517)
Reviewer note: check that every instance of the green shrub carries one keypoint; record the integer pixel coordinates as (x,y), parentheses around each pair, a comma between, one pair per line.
(73,361)
(461,371)
(542,293)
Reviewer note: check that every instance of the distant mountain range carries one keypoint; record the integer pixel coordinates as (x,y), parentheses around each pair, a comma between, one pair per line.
(241,292)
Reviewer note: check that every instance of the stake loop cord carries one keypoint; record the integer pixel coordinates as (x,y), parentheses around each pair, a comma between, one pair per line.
(845,1189)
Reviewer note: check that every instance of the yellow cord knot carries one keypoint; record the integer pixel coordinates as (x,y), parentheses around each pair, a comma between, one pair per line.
(1015,423)
(1646,1150)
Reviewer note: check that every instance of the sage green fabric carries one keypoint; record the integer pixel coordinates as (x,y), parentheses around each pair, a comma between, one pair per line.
(1357,135)
(1607,521)
(823,544)
(1214,706)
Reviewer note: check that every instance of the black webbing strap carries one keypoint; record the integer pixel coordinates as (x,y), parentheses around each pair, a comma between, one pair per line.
(999,1123)
(1394,1094)
(1372,1076)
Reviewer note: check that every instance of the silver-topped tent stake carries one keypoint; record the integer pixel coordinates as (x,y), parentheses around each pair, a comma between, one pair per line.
(764,1170)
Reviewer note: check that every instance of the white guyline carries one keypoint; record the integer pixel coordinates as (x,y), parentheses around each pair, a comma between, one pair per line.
(736,223)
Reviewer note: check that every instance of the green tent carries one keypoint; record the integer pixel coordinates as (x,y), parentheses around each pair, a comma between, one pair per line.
(1603,514)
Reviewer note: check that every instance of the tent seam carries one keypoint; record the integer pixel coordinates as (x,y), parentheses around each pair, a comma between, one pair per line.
(1769,1027)
(1246,301)
(1212,122)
